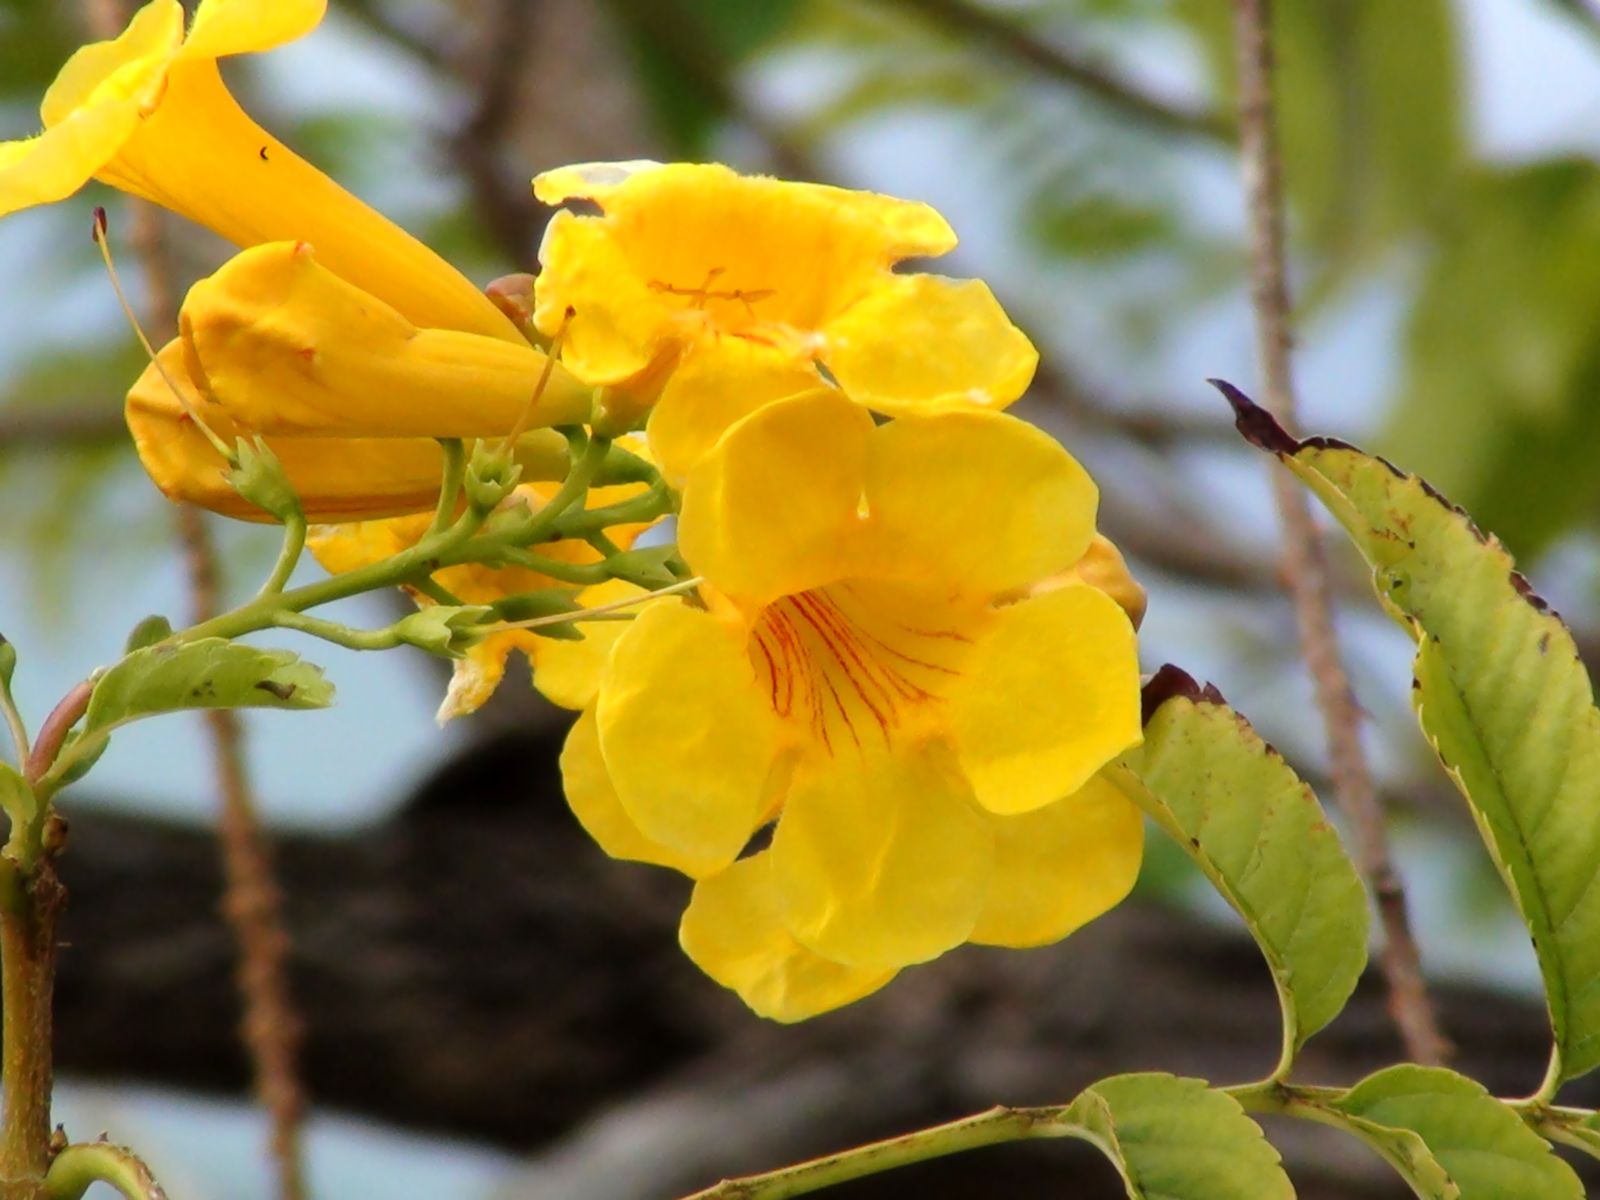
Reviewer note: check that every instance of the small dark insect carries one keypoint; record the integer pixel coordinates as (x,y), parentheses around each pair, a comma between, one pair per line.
(263,154)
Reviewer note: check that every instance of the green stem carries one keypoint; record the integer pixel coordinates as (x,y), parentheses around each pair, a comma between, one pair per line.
(638,510)
(14,722)
(567,572)
(339,635)
(985,1129)
(27,976)
(455,466)
(294,544)
(78,1168)
(1551,1083)
(572,491)
(437,592)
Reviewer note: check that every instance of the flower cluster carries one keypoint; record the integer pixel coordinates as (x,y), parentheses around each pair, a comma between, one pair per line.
(865,700)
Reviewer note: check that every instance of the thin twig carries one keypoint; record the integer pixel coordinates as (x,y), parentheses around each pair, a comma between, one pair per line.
(1005,34)
(1305,566)
(252,902)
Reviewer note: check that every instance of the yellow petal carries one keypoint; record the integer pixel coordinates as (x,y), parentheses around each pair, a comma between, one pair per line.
(200,155)
(688,739)
(716,384)
(244,26)
(1061,866)
(593,799)
(612,326)
(54,165)
(733,931)
(769,509)
(882,859)
(125,66)
(568,672)
(920,342)
(337,479)
(978,499)
(1049,695)
(587,181)
(283,345)
(474,677)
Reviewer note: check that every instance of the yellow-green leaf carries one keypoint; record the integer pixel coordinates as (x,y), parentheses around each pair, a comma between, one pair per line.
(1176,1139)
(1451,1140)
(1257,832)
(1501,696)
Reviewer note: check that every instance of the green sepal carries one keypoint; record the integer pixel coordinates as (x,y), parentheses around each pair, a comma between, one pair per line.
(528,606)
(1451,1140)
(154,628)
(1174,1138)
(259,477)
(1502,697)
(492,473)
(1258,834)
(444,629)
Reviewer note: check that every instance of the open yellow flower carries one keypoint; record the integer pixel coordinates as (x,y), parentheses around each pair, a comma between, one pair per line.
(898,662)
(148,113)
(565,666)
(707,294)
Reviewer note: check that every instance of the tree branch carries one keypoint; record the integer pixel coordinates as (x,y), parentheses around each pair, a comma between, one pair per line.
(1305,564)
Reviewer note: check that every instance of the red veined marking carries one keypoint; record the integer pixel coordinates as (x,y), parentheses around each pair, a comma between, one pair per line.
(862,632)
(844,666)
(842,635)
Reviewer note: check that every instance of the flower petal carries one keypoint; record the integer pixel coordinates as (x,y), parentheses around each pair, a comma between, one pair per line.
(244,26)
(920,342)
(152,36)
(286,346)
(1061,866)
(587,181)
(337,479)
(593,799)
(975,498)
(1102,566)
(770,509)
(475,676)
(612,326)
(59,161)
(568,673)
(688,740)
(733,931)
(882,859)
(715,385)
(1049,695)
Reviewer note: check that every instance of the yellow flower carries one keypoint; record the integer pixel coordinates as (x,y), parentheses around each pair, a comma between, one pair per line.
(895,662)
(336,478)
(567,668)
(707,294)
(148,113)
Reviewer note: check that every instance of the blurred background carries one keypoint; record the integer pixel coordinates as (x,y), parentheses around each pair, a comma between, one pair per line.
(1445,237)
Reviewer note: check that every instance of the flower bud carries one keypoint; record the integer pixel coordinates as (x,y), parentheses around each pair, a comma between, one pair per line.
(491,474)
(448,630)
(259,477)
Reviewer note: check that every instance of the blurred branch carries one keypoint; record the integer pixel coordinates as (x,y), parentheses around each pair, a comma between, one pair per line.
(23,428)
(975,21)
(1305,562)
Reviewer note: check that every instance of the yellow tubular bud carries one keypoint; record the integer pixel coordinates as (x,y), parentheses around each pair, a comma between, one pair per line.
(285,346)
(337,479)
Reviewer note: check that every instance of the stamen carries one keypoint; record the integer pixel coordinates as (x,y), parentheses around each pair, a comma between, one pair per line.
(551,355)
(104,243)
(599,610)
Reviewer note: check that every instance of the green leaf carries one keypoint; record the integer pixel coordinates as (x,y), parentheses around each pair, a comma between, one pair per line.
(1501,696)
(1259,835)
(1176,1139)
(208,673)
(1451,1140)
(154,628)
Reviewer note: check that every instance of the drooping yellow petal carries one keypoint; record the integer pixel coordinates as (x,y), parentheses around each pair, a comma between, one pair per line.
(977,498)
(223,27)
(770,509)
(711,388)
(734,932)
(916,343)
(593,799)
(475,676)
(1048,696)
(129,66)
(284,345)
(337,479)
(689,741)
(882,859)
(1061,866)
(1102,566)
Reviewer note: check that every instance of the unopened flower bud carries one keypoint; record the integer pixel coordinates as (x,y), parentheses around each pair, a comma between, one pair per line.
(448,630)
(259,477)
